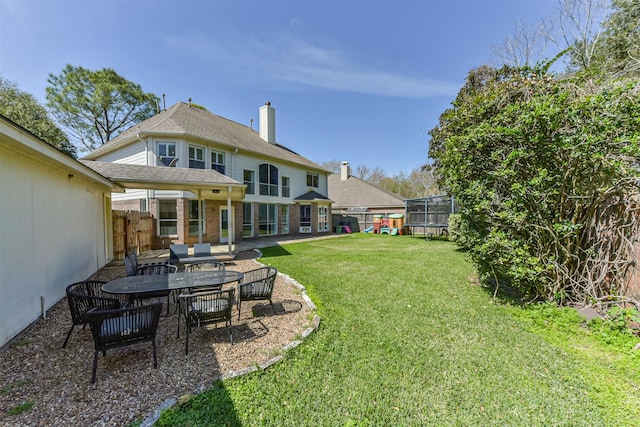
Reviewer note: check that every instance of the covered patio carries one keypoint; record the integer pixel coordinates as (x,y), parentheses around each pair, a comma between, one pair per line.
(206,184)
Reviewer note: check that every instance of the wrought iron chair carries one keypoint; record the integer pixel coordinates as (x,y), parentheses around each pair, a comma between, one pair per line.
(156,269)
(205,308)
(205,266)
(122,327)
(132,265)
(257,285)
(85,295)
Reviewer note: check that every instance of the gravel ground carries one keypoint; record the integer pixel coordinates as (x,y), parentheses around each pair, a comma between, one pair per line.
(36,370)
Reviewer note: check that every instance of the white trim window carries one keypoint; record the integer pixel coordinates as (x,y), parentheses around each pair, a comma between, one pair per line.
(194,229)
(167,217)
(268,176)
(284,219)
(196,157)
(267,219)
(286,186)
(323,218)
(217,161)
(247,219)
(249,178)
(313,180)
(166,152)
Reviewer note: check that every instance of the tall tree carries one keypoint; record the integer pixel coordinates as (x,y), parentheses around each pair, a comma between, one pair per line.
(96,105)
(618,50)
(373,175)
(525,46)
(580,29)
(23,109)
(333,165)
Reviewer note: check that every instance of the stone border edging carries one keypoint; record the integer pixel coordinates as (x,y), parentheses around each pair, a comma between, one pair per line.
(315,323)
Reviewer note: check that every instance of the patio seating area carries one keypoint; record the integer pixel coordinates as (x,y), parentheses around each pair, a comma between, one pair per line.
(56,381)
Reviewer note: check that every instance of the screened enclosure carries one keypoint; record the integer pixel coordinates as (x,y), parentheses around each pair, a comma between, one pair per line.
(429,215)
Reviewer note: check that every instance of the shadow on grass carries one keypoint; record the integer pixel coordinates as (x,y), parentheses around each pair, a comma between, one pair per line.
(505,293)
(274,251)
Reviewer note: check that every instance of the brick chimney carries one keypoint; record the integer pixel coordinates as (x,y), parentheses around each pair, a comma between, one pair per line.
(345,171)
(268,123)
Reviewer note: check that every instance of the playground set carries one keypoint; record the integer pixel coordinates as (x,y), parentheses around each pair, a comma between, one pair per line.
(428,216)
(393,225)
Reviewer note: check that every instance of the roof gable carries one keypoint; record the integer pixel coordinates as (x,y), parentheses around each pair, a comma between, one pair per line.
(354,192)
(311,196)
(183,120)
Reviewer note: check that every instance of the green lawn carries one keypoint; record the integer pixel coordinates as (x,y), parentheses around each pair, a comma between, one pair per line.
(407,339)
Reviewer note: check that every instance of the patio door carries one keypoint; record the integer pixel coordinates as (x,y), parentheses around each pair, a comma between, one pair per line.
(224,224)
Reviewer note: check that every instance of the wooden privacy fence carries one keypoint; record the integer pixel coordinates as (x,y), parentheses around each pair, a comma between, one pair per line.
(132,231)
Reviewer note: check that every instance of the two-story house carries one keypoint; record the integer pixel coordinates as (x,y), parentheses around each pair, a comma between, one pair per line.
(284,192)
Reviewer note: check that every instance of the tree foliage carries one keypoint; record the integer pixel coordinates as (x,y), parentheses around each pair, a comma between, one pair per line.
(23,109)
(545,172)
(94,106)
(618,49)
(418,183)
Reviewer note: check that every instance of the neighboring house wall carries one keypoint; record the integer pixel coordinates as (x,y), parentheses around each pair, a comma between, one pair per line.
(357,201)
(54,227)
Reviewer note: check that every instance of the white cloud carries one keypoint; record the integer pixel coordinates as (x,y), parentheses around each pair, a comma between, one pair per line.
(289,60)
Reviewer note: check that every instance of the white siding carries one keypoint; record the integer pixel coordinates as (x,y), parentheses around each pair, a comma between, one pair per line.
(297,176)
(132,154)
(52,233)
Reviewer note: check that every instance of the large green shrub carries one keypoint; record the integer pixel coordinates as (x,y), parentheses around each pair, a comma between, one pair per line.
(545,172)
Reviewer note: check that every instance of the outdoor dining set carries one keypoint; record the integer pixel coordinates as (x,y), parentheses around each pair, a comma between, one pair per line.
(127,310)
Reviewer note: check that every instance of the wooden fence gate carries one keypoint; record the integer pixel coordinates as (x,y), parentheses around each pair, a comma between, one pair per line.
(132,231)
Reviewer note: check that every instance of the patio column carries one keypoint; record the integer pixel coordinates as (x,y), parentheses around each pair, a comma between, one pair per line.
(199,216)
(232,220)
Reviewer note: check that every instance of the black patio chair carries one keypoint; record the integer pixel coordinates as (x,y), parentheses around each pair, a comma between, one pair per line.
(130,266)
(204,308)
(123,327)
(133,264)
(85,295)
(257,285)
(156,269)
(211,266)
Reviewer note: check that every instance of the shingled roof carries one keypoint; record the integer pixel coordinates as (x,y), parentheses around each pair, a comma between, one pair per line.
(185,121)
(356,193)
(166,178)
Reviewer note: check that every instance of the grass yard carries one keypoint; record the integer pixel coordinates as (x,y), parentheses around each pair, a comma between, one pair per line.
(407,339)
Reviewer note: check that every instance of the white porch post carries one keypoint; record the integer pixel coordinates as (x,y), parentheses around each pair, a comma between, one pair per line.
(199,216)
(231,219)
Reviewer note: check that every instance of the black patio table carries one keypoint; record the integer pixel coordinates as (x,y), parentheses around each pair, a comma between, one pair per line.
(173,281)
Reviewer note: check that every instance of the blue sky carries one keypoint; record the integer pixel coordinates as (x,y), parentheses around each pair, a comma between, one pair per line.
(361,81)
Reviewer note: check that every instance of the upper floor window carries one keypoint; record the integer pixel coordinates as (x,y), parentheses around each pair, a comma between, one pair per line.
(196,157)
(167,152)
(268,176)
(217,161)
(286,186)
(249,181)
(312,179)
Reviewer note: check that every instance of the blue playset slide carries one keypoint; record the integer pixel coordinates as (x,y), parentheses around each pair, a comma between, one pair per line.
(368,230)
